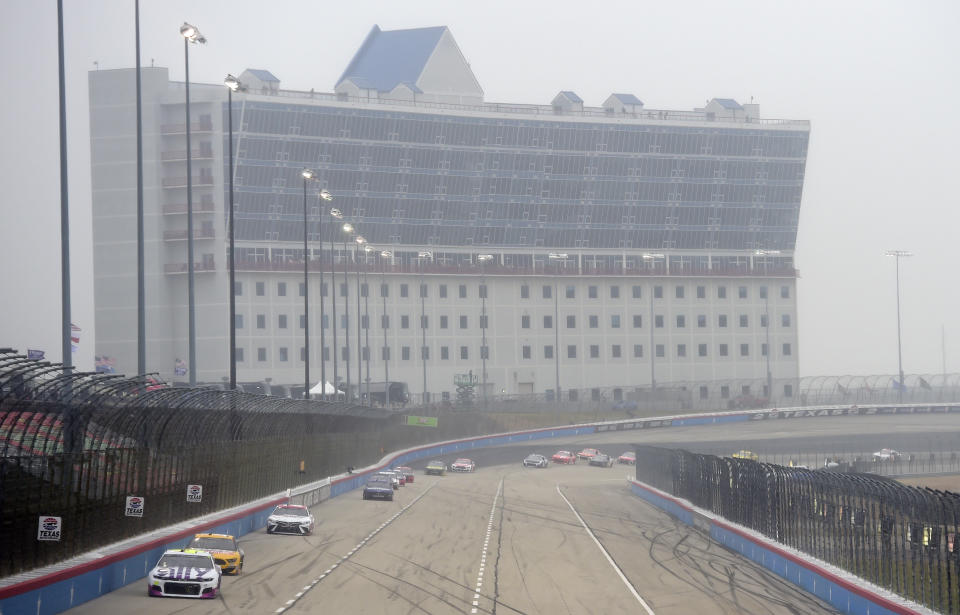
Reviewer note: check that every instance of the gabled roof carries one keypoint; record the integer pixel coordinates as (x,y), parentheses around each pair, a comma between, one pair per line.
(728,103)
(387,58)
(628,99)
(571,96)
(262,75)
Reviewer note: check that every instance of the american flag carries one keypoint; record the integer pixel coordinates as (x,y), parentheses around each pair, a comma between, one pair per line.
(74,337)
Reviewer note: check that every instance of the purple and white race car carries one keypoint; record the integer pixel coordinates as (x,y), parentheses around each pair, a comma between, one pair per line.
(186,573)
(463,465)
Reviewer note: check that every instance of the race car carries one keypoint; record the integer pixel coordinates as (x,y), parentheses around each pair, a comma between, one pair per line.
(535,461)
(886,454)
(407,473)
(390,476)
(587,453)
(378,488)
(564,457)
(436,467)
(226,552)
(186,573)
(290,519)
(604,461)
(745,454)
(629,458)
(463,465)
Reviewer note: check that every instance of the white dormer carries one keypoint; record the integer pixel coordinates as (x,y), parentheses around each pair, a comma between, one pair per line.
(567,101)
(623,103)
(260,81)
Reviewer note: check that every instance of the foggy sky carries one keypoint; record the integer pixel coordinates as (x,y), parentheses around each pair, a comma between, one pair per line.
(877,79)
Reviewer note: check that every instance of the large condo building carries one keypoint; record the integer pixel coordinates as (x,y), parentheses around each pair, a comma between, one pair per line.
(599,248)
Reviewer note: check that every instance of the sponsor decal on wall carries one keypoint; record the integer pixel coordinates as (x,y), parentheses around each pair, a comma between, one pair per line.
(49,528)
(194,493)
(134,507)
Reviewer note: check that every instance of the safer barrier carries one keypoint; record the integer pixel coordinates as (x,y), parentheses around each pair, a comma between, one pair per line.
(898,537)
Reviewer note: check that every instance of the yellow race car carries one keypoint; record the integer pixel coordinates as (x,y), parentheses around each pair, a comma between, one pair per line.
(224,548)
(745,454)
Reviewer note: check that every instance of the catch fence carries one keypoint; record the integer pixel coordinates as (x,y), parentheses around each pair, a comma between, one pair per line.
(898,537)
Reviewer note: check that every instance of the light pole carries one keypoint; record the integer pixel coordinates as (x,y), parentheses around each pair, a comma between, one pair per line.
(383,323)
(190,34)
(421,256)
(307,175)
(483,259)
(554,256)
(360,241)
(324,195)
(66,327)
(348,230)
(233,85)
(766,303)
(141,282)
(367,249)
(652,258)
(898,254)
(336,215)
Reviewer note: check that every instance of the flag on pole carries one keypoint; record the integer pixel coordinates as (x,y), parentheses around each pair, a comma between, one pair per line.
(897,386)
(842,390)
(74,337)
(35,355)
(925,385)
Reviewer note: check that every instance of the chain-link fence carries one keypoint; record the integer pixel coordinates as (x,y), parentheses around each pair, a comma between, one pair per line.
(898,537)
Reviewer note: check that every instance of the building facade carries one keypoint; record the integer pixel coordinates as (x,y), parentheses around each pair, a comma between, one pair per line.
(532,247)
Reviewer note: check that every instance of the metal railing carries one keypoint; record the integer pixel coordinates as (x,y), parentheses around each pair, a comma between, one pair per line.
(898,537)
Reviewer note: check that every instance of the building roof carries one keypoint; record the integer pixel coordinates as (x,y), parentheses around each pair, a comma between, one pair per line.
(262,75)
(628,99)
(728,103)
(387,58)
(571,96)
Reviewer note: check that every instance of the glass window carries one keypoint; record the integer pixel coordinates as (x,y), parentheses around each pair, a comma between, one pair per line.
(635,291)
(324,322)
(571,352)
(786,349)
(424,353)
(323,289)
(615,351)
(281,289)
(404,322)
(404,290)
(784,292)
(261,290)
(615,321)
(524,291)
(443,322)
(385,353)
(722,320)
(721,292)
(423,291)
(525,322)
(614,292)
(238,288)
(262,321)
(742,292)
(594,351)
(701,320)
(743,320)
(384,290)
(785,320)
(483,291)
(725,391)
(571,292)
(681,350)
(385,321)
(345,321)
(658,321)
(592,292)
(238,352)
(744,350)
(483,321)
(484,352)
(547,292)
(463,291)
(637,321)
(343,289)
(658,292)
(463,322)
(443,291)
(548,322)
(365,321)
(444,353)
(681,321)
(303,289)
(261,354)
(659,350)
(763,350)
(548,352)
(763,292)
(571,322)
(701,292)
(238,321)
(723,350)
(424,321)
(679,292)
(763,320)
(788,390)
(283,353)
(701,350)
(363,290)
(282,321)
(405,353)
(638,351)
(573,394)
(704,392)
(594,321)
(525,350)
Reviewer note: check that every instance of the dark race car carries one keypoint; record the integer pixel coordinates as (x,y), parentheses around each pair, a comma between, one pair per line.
(535,461)
(602,460)
(378,488)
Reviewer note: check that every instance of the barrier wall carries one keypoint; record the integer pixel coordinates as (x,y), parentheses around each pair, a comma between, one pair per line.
(845,593)
(56,588)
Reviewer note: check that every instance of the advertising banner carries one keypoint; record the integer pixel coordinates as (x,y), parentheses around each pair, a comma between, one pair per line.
(48,528)
(422,421)
(134,507)
(194,493)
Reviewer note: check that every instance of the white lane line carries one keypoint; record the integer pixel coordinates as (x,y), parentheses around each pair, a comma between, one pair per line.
(606,555)
(357,548)
(486,543)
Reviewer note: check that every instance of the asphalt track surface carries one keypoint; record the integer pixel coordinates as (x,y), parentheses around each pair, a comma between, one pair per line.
(505,540)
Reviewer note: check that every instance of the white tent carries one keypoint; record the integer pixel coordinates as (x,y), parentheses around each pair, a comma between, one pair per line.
(318,389)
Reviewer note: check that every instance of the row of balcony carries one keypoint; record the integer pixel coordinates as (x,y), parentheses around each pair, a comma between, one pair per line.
(181,182)
(181,235)
(206,264)
(204,125)
(204,205)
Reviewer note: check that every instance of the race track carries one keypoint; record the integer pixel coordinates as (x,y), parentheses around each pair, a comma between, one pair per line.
(510,540)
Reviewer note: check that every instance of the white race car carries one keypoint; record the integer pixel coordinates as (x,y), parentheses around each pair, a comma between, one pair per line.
(186,573)
(290,519)
(463,465)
